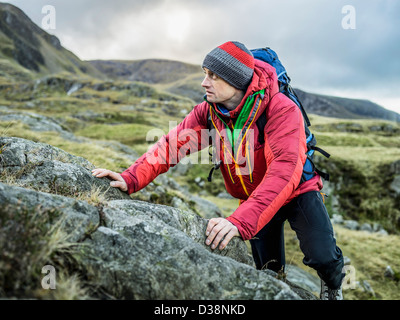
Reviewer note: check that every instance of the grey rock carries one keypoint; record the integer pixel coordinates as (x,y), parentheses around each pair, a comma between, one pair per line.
(224,195)
(37,122)
(303,278)
(366,227)
(159,190)
(120,150)
(78,216)
(395,167)
(367,287)
(395,185)
(346,261)
(145,251)
(206,208)
(337,219)
(122,213)
(351,224)
(389,273)
(134,249)
(377,228)
(74,88)
(46,168)
(383,232)
(181,168)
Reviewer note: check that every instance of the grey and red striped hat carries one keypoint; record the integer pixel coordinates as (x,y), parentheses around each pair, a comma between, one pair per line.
(233,62)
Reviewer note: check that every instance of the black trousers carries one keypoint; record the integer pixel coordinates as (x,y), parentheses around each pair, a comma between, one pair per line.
(309,218)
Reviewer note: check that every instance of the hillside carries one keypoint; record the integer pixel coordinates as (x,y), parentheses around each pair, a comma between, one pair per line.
(150,71)
(185,80)
(337,107)
(27,51)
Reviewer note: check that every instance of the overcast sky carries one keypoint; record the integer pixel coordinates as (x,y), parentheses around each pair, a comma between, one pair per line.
(325,47)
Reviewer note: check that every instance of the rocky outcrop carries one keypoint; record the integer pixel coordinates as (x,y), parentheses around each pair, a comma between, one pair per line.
(40,166)
(36,122)
(133,249)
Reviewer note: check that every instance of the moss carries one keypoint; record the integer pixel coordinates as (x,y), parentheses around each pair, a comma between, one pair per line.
(128,134)
(363,194)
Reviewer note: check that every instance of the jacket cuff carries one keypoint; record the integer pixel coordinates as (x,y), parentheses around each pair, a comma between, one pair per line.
(129,182)
(238,225)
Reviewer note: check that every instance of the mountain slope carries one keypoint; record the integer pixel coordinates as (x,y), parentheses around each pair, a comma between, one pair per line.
(148,70)
(345,108)
(24,44)
(185,79)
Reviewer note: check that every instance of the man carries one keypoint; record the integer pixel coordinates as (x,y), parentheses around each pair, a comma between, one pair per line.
(239,90)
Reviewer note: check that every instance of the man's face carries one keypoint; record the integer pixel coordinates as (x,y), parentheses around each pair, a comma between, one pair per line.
(218,90)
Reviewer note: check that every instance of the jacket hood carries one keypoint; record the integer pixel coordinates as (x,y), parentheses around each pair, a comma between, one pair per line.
(264,77)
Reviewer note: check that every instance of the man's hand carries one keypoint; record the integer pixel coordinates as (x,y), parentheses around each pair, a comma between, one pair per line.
(219,228)
(117,180)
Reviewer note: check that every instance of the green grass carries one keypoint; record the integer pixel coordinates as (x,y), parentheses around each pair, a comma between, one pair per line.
(369,254)
(99,155)
(365,142)
(33,240)
(128,134)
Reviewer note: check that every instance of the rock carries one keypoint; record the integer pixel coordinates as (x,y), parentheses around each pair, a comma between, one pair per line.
(133,249)
(120,150)
(74,88)
(159,190)
(337,219)
(376,227)
(200,182)
(367,287)
(40,166)
(346,261)
(303,278)
(395,185)
(383,232)
(389,273)
(351,224)
(206,208)
(79,216)
(181,168)
(120,214)
(366,227)
(37,122)
(139,250)
(224,195)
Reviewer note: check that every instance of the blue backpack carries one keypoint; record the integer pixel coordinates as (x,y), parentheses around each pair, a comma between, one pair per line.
(269,56)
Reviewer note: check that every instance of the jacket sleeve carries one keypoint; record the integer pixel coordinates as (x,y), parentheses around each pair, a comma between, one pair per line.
(285,153)
(188,137)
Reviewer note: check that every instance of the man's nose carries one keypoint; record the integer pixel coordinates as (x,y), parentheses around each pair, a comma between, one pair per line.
(206,82)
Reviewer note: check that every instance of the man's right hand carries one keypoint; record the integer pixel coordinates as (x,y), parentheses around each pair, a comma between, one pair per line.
(117,180)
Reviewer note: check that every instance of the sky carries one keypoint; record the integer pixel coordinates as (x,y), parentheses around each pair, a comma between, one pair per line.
(347,48)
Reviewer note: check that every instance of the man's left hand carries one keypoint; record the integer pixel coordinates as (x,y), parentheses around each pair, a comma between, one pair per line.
(218,229)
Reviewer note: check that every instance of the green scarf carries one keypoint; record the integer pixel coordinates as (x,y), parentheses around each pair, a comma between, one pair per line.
(241,120)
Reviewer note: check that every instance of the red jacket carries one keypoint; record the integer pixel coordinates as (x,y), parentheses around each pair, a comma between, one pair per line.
(271,175)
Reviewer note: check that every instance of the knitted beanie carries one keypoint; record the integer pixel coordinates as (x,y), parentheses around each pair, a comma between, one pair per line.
(233,62)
